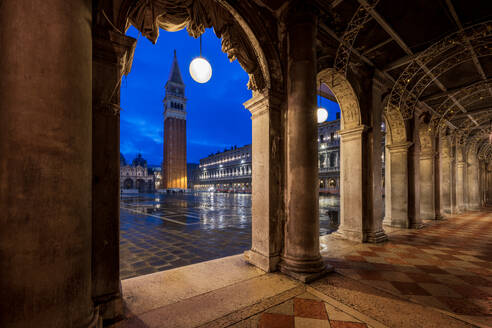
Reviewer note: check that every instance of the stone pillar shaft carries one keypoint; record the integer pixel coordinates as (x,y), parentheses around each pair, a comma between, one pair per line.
(45,167)
(301,257)
(460,179)
(267,229)
(445,185)
(112,53)
(398,157)
(427,200)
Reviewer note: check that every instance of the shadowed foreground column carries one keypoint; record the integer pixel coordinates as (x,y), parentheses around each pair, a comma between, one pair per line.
(45,164)
(112,53)
(301,257)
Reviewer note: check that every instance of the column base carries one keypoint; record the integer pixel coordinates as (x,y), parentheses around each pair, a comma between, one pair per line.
(265,263)
(304,271)
(376,237)
(349,234)
(416,225)
(397,224)
(110,308)
(94,322)
(438,217)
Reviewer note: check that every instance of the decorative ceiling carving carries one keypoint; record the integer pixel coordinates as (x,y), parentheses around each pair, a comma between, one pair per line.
(197,15)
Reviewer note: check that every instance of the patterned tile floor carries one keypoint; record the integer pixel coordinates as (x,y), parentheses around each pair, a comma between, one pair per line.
(447,265)
(303,311)
(160,232)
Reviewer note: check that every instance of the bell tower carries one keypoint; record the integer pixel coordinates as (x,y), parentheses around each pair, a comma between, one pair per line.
(174,152)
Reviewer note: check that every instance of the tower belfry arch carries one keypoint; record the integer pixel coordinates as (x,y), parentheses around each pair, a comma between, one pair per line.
(174,146)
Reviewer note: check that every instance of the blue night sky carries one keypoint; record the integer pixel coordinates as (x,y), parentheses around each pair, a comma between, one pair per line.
(216,118)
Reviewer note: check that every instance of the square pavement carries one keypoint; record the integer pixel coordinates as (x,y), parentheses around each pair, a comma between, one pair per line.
(446,265)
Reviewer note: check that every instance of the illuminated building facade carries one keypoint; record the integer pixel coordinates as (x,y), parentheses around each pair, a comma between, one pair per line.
(230,170)
(174,175)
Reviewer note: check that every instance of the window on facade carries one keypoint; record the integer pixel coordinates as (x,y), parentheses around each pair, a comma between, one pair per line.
(332,135)
(333,159)
(321,137)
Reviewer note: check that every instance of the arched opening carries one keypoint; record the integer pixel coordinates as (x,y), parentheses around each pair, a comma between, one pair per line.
(356,222)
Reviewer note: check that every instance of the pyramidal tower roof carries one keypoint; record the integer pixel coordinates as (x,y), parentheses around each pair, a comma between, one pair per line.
(175,74)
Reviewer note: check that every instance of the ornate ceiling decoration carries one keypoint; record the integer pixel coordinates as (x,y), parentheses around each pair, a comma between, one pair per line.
(197,15)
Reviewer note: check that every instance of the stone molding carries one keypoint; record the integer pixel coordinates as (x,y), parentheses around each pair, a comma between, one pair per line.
(351,134)
(262,102)
(114,48)
(427,155)
(399,147)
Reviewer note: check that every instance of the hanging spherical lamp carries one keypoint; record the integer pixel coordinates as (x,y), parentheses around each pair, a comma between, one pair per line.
(322,114)
(200,68)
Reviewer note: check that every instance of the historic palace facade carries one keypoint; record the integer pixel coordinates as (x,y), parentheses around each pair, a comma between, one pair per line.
(230,170)
(136,177)
(174,152)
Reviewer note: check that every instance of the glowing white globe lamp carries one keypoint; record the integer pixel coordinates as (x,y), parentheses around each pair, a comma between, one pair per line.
(322,114)
(200,70)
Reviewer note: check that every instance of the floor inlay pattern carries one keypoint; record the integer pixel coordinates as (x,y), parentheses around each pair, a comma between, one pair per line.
(446,265)
(303,311)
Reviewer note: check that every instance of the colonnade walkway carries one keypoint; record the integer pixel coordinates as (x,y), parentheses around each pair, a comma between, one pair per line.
(437,276)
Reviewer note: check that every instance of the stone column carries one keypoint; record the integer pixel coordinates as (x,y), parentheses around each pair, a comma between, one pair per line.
(445,176)
(112,55)
(473,196)
(45,167)
(414,219)
(351,171)
(267,183)
(301,257)
(452,187)
(437,180)
(427,200)
(398,185)
(460,178)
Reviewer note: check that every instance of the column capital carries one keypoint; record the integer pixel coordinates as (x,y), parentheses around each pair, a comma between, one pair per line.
(262,102)
(399,147)
(427,155)
(113,48)
(349,134)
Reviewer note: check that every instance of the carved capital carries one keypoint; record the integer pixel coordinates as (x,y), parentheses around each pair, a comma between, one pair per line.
(399,147)
(263,102)
(113,48)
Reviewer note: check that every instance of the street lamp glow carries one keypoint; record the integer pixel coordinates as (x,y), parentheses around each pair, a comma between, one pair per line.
(200,70)
(322,115)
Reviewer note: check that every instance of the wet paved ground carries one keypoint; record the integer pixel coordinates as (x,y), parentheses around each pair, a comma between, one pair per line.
(160,232)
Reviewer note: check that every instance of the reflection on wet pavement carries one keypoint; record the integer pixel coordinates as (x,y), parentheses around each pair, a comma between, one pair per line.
(161,231)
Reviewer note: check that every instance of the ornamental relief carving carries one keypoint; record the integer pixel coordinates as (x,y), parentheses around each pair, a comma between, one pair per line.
(197,15)
(345,95)
(396,125)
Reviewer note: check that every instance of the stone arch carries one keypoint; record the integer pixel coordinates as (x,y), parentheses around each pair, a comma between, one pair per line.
(246,36)
(253,49)
(354,219)
(345,96)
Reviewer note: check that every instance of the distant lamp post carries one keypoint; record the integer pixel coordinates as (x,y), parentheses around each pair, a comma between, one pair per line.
(322,112)
(200,68)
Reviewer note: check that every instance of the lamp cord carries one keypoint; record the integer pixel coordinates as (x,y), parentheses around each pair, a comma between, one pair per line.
(200,45)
